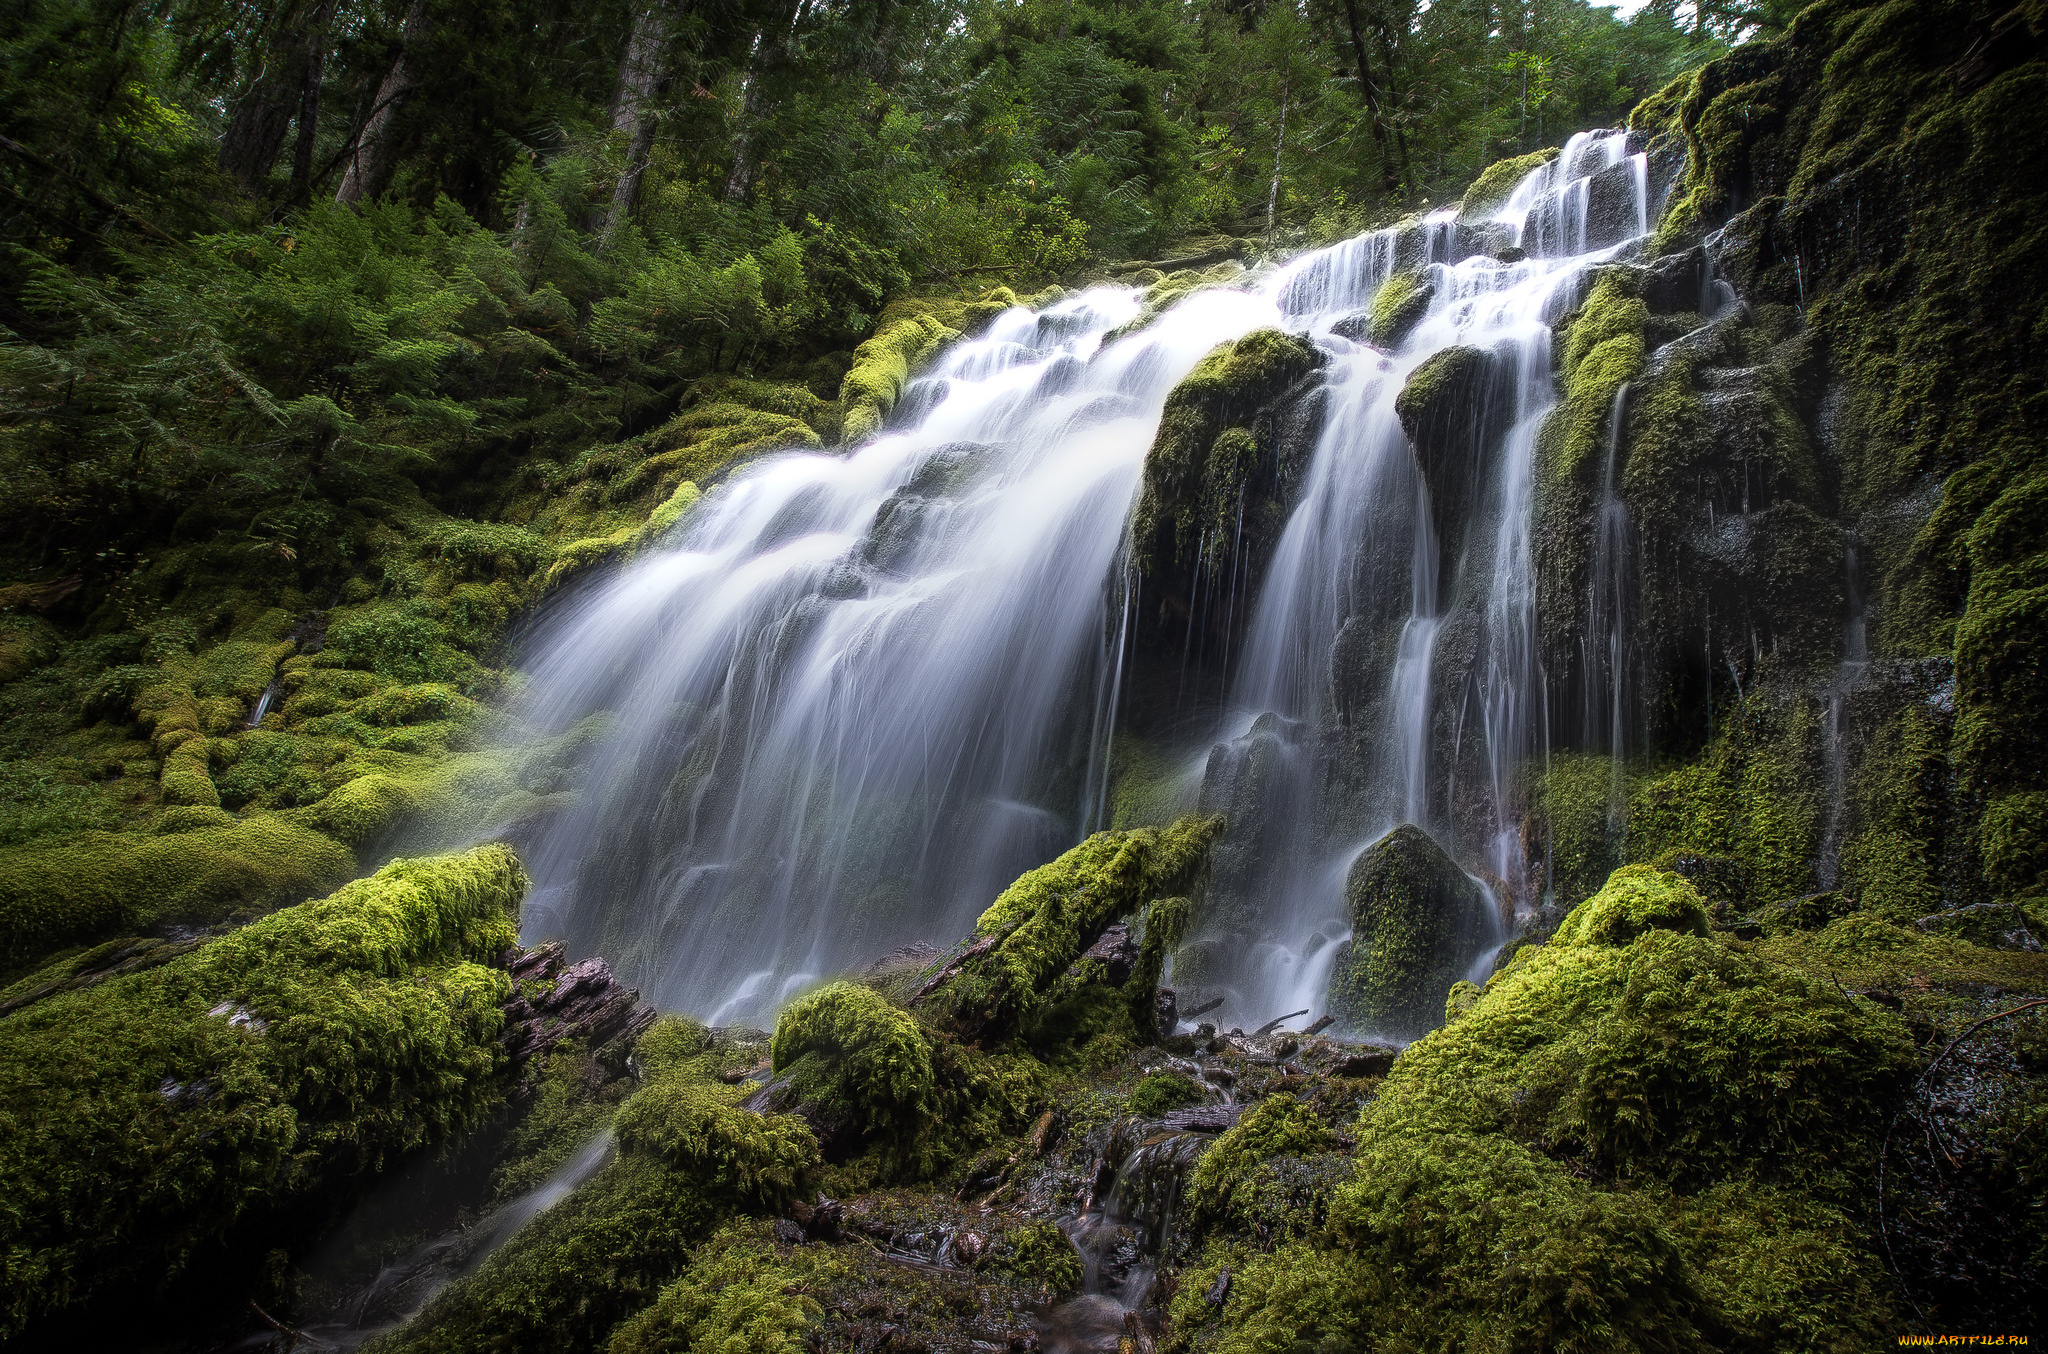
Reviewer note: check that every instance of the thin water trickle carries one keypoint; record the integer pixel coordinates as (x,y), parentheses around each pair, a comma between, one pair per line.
(1848,676)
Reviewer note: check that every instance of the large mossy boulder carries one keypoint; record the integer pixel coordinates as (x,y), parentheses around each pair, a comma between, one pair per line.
(143,1116)
(1417,923)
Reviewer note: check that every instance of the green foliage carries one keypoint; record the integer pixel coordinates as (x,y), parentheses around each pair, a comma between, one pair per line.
(146,1114)
(1039,925)
(753,1159)
(741,1295)
(1224,1186)
(1163,1091)
(1039,1255)
(1635,899)
(868,1061)
(98,883)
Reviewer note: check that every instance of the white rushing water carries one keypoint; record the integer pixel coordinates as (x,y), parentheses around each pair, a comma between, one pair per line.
(855,695)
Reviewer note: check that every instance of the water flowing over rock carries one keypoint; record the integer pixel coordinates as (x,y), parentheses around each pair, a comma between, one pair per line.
(854,695)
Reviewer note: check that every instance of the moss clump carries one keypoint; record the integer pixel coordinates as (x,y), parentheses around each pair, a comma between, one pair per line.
(1496,183)
(740,1295)
(1561,1166)
(1039,1255)
(1163,1091)
(1636,899)
(1398,306)
(1225,1184)
(1206,454)
(98,883)
(1041,924)
(862,1060)
(882,367)
(143,1116)
(750,1158)
(1417,922)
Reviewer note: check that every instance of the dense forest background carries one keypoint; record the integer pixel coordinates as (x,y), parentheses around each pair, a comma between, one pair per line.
(261,257)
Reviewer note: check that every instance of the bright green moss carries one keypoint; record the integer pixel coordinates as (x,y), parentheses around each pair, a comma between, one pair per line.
(1603,350)
(1635,899)
(1671,1057)
(1161,1092)
(1783,1271)
(99,883)
(36,802)
(882,367)
(755,1159)
(1496,183)
(1040,924)
(1398,306)
(867,1060)
(1222,1189)
(740,1295)
(1755,796)
(142,1116)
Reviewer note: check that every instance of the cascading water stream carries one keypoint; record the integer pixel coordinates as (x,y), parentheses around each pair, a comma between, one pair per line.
(1447,527)
(858,695)
(854,696)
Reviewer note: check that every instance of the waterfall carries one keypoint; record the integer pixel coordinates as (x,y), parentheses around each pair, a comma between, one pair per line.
(1460,712)
(854,695)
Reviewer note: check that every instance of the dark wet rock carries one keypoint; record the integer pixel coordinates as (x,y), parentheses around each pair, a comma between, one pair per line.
(1611,206)
(1995,926)
(1417,922)
(1116,950)
(1203,1118)
(1366,1062)
(553,1001)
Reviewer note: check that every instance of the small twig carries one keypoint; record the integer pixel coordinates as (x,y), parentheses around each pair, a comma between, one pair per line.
(289,1333)
(1274,1024)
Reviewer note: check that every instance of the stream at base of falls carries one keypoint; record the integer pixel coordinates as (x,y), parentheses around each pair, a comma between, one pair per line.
(853,696)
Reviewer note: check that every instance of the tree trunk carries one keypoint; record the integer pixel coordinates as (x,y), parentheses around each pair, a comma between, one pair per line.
(766,56)
(256,132)
(369,163)
(641,77)
(1279,144)
(1368,91)
(309,104)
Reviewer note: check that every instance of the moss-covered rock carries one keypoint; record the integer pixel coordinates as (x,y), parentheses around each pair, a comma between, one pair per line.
(99,883)
(1398,306)
(1205,454)
(1417,923)
(145,1115)
(1491,190)
(1636,899)
(1016,970)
